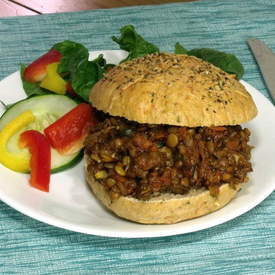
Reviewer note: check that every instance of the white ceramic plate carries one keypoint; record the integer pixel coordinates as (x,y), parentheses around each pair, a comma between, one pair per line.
(70,204)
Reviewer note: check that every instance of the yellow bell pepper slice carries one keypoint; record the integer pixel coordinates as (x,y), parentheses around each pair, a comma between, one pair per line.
(15,161)
(53,81)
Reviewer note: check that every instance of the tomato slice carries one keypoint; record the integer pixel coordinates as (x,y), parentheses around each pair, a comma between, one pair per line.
(68,133)
(40,162)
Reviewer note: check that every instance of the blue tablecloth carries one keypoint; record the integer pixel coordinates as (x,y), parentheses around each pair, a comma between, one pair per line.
(245,245)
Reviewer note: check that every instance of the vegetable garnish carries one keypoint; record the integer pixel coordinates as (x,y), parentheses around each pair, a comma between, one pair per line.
(15,161)
(53,81)
(68,133)
(71,73)
(227,62)
(72,53)
(137,46)
(86,75)
(31,88)
(133,43)
(37,70)
(46,109)
(40,161)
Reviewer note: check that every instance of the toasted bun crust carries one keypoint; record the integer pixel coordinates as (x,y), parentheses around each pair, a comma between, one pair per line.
(173,89)
(166,208)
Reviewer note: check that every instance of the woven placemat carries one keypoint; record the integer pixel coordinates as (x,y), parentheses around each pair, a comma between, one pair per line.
(245,245)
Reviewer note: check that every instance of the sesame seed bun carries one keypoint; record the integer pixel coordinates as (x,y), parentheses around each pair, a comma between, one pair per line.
(173,89)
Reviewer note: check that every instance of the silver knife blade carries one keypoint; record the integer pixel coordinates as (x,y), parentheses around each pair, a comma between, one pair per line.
(266,62)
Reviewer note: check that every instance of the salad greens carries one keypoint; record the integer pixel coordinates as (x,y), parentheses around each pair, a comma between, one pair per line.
(133,43)
(87,73)
(72,53)
(75,68)
(179,49)
(81,74)
(227,62)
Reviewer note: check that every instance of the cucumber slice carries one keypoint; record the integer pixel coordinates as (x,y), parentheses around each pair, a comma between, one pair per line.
(46,109)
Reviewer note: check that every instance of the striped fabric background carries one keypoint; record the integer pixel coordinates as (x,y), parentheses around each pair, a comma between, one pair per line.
(245,245)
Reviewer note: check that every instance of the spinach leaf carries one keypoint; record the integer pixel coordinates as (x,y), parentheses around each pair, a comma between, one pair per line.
(100,61)
(103,67)
(72,53)
(31,88)
(77,69)
(86,75)
(133,43)
(179,49)
(225,61)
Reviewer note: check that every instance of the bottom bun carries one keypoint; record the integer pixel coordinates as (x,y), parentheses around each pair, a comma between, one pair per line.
(165,208)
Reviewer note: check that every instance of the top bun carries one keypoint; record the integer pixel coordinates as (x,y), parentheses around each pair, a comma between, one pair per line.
(174,89)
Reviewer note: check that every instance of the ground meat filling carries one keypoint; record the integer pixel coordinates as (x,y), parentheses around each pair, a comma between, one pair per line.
(143,160)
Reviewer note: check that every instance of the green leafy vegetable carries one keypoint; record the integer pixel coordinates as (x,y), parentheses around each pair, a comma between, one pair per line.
(72,53)
(100,61)
(31,88)
(86,75)
(75,68)
(179,49)
(227,62)
(133,43)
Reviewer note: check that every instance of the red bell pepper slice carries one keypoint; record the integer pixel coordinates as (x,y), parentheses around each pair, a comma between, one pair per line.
(68,133)
(37,70)
(40,162)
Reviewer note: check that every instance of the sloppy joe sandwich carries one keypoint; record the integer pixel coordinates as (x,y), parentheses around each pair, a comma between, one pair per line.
(171,146)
